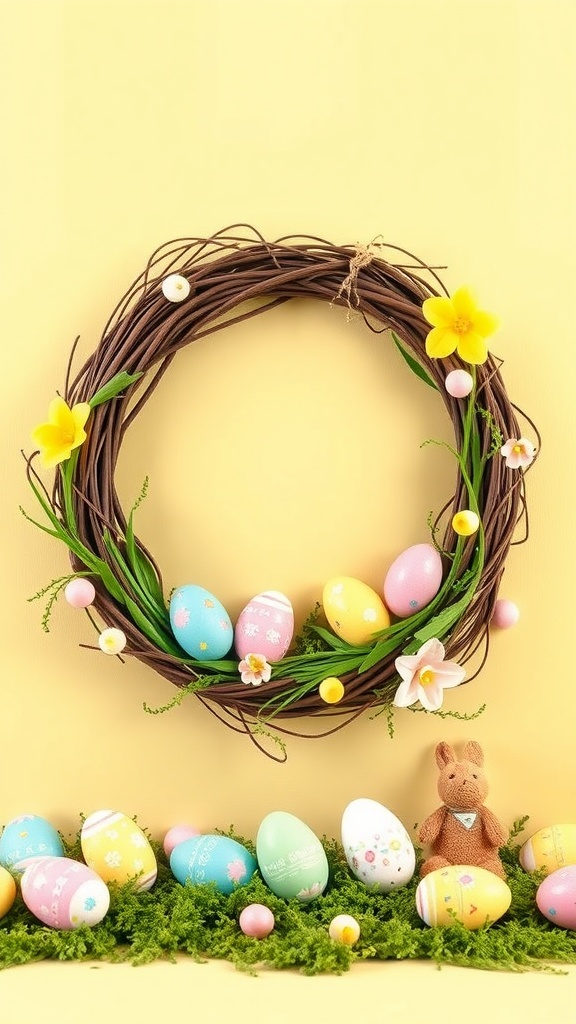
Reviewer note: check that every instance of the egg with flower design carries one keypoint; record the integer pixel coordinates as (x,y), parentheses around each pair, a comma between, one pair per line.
(377,847)
(215,859)
(116,848)
(354,610)
(265,626)
(291,858)
(26,838)
(470,895)
(200,623)
(64,894)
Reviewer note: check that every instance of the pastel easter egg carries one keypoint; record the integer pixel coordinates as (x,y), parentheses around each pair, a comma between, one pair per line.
(291,858)
(549,849)
(556,897)
(213,859)
(7,891)
(200,624)
(256,920)
(117,850)
(63,893)
(353,609)
(413,580)
(26,838)
(265,626)
(178,834)
(471,895)
(377,847)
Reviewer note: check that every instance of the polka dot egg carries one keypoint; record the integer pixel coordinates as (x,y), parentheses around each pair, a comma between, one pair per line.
(200,623)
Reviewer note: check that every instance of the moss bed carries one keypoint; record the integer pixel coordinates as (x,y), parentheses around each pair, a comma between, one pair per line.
(199,922)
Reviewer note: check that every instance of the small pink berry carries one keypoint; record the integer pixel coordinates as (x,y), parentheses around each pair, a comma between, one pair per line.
(79,593)
(256,920)
(459,383)
(178,834)
(506,614)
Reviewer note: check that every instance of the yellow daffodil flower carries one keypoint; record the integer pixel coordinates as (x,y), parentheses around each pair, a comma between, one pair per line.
(458,326)
(63,432)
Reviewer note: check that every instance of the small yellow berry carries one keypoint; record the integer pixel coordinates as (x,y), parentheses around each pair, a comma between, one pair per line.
(112,641)
(465,523)
(331,690)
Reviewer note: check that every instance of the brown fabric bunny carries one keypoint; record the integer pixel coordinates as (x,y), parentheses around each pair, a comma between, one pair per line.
(462,831)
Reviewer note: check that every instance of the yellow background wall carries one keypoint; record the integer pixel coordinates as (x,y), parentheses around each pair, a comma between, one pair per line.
(448,128)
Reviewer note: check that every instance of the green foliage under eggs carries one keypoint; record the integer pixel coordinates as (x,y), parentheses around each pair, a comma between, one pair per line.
(197,921)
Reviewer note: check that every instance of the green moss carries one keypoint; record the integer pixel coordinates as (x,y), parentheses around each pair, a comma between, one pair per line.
(199,922)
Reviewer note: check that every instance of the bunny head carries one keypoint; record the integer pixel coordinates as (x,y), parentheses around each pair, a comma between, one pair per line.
(462,784)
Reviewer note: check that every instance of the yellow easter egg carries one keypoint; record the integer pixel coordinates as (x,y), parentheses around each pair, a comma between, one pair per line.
(550,849)
(471,895)
(7,891)
(354,611)
(117,850)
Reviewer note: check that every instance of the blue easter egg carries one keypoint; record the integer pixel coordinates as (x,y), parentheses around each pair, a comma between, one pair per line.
(217,859)
(25,839)
(200,623)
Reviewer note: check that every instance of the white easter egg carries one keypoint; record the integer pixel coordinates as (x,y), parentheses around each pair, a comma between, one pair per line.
(63,893)
(265,626)
(377,847)
(117,850)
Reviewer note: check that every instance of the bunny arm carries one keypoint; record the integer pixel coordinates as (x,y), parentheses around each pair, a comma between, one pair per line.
(432,825)
(492,828)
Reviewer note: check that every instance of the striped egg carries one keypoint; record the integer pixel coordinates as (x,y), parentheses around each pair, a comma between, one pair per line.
(550,848)
(116,849)
(265,626)
(471,895)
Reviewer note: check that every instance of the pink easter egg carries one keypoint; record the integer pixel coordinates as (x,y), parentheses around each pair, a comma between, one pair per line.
(256,920)
(459,383)
(265,626)
(505,614)
(556,897)
(79,593)
(413,580)
(176,835)
(63,893)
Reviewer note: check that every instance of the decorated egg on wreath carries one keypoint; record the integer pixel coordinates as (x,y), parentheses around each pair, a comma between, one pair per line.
(191,288)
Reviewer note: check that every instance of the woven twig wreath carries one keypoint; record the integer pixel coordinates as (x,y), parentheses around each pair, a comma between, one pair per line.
(226,279)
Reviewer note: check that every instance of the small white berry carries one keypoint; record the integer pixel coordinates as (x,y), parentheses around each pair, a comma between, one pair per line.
(112,641)
(175,288)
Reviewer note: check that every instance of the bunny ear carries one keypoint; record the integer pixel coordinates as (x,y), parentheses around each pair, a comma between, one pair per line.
(473,752)
(444,755)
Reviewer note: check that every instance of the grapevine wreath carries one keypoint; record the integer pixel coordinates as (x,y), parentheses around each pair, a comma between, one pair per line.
(191,288)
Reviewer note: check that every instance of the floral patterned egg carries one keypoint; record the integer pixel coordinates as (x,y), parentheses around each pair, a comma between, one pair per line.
(117,849)
(377,847)
(62,893)
(291,858)
(354,610)
(265,626)
(217,859)
(200,624)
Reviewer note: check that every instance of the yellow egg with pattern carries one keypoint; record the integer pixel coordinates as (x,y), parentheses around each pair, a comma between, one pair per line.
(471,895)
(354,611)
(117,850)
(550,849)
(7,891)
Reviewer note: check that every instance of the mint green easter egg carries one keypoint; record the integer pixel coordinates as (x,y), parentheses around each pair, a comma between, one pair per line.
(291,858)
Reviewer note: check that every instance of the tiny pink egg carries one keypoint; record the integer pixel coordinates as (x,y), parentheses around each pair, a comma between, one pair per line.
(556,897)
(505,614)
(79,592)
(256,920)
(413,580)
(178,834)
(459,383)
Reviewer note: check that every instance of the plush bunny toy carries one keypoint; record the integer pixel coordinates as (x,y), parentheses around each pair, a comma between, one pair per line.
(462,831)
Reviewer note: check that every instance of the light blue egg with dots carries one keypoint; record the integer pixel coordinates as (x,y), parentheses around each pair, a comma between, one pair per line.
(200,623)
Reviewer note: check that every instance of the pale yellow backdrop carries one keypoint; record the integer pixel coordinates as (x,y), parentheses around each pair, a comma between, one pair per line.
(445,126)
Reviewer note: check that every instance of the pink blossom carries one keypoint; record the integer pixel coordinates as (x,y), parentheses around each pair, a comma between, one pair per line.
(518,451)
(236,870)
(254,669)
(425,676)
(181,616)
(369,856)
